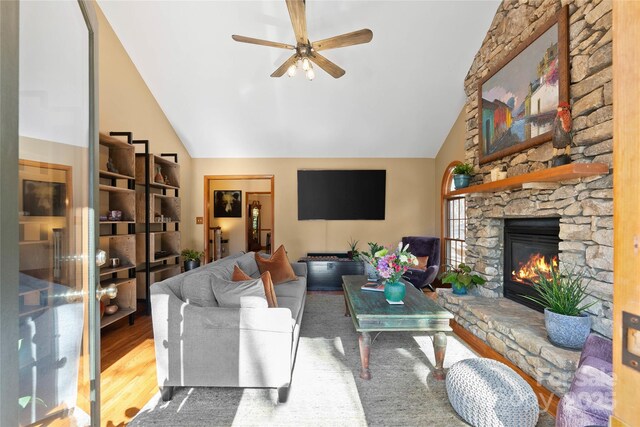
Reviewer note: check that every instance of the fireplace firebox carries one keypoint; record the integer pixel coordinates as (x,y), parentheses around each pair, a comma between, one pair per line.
(530,248)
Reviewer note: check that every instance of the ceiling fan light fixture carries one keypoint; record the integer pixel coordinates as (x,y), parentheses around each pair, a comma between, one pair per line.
(310,73)
(306,64)
(291,71)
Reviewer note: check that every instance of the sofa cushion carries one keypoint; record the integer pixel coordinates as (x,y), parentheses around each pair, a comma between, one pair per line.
(591,390)
(295,288)
(196,289)
(422,262)
(247,262)
(599,364)
(253,302)
(224,270)
(292,303)
(239,275)
(229,294)
(278,265)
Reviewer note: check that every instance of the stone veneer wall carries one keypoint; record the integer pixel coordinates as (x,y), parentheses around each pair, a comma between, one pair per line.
(585,206)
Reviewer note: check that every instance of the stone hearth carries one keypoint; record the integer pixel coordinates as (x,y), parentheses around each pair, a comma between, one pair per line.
(518,333)
(584,206)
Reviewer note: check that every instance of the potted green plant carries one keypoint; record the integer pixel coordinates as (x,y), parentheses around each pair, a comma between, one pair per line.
(461,278)
(353,249)
(563,297)
(462,174)
(191,258)
(371,260)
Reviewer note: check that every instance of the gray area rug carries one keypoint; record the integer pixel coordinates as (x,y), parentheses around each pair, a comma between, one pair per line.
(326,388)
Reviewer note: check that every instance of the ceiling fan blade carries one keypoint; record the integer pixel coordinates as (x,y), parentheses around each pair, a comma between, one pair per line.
(344,40)
(283,68)
(243,39)
(326,65)
(298,20)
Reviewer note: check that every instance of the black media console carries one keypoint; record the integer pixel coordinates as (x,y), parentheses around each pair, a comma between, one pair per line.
(325,270)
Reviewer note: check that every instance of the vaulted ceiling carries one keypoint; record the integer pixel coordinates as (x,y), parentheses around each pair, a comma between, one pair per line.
(399,97)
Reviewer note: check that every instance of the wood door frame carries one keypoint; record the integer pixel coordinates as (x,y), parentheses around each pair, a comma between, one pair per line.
(207,204)
(626,204)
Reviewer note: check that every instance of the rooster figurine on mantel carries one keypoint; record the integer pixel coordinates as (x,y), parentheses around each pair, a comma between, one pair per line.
(562,135)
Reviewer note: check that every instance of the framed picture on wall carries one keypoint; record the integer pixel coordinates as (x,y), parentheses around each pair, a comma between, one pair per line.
(43,198)
(518,98)
(227,204)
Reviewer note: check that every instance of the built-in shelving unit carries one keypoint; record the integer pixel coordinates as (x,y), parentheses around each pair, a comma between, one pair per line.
(158,216)
(117,236)
(555,174)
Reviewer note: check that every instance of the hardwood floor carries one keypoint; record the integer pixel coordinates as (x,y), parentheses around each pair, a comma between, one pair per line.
(128,378)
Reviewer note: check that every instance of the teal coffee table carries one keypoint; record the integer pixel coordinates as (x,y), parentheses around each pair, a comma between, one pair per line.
(371,312)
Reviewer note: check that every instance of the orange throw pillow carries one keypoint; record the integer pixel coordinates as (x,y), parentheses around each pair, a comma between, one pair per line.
(278,265)
(422,262)
(240,276)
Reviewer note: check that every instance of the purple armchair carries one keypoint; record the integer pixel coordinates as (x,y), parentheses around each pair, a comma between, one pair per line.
(590,397)
(423,246)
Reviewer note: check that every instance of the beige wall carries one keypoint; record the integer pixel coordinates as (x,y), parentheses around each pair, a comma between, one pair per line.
(234,229)
(127,104)
(409,206)
(452,149)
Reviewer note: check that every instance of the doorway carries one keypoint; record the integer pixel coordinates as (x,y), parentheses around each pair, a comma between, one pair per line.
(259,223)
(49,334)
(228,220)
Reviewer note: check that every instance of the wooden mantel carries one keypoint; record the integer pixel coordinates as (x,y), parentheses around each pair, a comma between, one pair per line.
(559,173)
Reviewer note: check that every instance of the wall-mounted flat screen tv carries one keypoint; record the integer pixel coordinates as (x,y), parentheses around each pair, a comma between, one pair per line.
(341,194)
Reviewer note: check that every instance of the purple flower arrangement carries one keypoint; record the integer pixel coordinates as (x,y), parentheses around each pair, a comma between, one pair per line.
(391,266)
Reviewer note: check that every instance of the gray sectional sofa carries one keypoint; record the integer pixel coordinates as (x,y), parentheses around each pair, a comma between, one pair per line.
(199,343)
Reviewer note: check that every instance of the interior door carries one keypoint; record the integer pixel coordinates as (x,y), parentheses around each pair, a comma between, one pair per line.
(58,345)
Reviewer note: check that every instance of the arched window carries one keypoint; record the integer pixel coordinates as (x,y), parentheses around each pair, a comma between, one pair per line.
(454,221)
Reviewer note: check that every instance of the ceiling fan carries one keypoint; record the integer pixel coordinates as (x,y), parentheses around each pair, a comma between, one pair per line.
(306,51)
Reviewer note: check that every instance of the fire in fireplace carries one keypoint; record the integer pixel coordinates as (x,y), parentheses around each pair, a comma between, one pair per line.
(531,269)
(530,247)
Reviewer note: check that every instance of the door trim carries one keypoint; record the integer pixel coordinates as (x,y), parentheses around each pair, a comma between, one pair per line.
(207,205)
(91,19)
(9,256)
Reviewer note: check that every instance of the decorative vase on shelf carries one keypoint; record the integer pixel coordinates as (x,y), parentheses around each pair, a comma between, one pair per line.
(394,291)
(158,178)
(458,289)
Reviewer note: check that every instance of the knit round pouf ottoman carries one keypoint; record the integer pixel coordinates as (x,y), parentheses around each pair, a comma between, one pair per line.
(487,393)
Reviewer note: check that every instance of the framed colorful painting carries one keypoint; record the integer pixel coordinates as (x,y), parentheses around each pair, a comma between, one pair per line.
(517,100)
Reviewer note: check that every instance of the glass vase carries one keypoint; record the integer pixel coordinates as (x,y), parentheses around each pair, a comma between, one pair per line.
(394,291)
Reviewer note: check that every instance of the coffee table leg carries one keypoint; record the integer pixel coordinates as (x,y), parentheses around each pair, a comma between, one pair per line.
(439,348)
(346,308)
(365,345)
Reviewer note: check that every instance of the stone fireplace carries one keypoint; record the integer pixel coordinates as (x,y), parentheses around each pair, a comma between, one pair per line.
(581,207)
(530,249)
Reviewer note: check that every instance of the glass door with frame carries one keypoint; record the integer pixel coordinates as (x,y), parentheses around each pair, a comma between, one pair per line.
(57,360)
